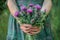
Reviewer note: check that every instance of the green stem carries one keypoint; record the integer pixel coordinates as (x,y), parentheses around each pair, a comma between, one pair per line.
(29,37)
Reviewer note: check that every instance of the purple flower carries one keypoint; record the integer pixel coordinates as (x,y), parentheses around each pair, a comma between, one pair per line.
(16,13)
(31,5)
(23,8)
(29,10)
(38,7)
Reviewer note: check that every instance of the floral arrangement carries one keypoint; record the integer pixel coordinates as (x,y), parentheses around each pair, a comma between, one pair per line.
(31,14)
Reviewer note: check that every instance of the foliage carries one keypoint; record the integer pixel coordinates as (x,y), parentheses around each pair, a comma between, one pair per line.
(2,5)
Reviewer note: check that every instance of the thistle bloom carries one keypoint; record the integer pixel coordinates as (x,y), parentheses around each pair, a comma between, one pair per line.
(31,5)
(29,10)
(23,8)
(38,7)
(16,13)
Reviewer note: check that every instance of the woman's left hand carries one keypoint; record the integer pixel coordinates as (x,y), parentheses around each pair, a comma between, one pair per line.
(34,30)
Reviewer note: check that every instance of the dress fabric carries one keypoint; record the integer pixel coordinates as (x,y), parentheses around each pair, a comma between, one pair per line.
(14,31)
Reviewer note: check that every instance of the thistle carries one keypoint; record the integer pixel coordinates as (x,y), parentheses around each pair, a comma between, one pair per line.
(23,8)
(16,14)
(38,7)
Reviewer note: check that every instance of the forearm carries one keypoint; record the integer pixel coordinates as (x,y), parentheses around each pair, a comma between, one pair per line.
(47,4)
(12,7)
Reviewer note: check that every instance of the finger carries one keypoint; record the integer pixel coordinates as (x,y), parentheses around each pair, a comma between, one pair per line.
(35,29)
(33,33)
(27,25)
(26,30)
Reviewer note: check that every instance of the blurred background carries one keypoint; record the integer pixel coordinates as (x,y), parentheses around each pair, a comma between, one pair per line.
(55,19)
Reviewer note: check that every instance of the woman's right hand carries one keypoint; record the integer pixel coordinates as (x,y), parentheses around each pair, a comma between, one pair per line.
(25,28)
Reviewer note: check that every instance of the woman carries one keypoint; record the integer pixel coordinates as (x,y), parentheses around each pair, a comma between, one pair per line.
(16,31)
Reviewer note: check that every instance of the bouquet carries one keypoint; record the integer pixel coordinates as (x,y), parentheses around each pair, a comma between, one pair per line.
(31,14)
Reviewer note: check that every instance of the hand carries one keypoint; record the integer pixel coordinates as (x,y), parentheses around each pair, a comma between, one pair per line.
(27,28)
(35,30)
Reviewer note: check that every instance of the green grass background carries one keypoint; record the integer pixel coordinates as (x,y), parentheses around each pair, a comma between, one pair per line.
(55,19)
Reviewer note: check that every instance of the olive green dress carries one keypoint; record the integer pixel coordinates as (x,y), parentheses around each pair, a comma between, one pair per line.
(14,31)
